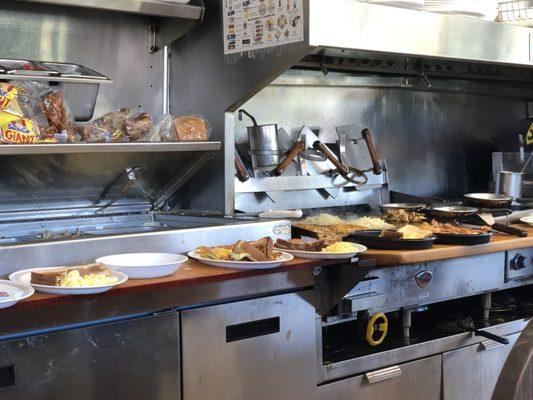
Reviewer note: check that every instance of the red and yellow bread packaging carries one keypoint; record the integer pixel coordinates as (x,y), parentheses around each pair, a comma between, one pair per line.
(14,128)
(17,130)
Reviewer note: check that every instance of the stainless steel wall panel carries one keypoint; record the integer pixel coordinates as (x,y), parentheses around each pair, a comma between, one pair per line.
(115,44)
(205,82)
(435,143)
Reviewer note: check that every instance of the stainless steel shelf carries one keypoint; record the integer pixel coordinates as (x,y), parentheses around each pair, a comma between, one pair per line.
(45,148)
(194,10)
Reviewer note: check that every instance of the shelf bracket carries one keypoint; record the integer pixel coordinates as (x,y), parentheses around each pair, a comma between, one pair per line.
(334,282)
(164,31)
(182,177)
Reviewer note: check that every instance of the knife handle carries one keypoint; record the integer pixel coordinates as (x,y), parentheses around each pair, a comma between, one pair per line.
(297,149)
(343,169)
(510,230)
(376,166)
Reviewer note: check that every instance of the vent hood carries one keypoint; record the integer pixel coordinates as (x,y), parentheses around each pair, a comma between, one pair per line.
(348,28)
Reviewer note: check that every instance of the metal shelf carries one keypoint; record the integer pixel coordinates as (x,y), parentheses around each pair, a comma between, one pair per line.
(78,148)
(193,10)
(168,21)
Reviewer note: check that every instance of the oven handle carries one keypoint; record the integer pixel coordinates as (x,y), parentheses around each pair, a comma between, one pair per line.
(383,374)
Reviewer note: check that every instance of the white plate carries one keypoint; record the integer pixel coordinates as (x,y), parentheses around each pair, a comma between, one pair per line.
(24,277)
(527,220)
(243,264)
(144,265)
(320,255)
(16,291)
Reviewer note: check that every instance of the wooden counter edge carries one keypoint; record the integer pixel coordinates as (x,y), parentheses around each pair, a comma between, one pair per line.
(205,274)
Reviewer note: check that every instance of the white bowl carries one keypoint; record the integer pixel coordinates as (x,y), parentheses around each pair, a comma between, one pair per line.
(144,265)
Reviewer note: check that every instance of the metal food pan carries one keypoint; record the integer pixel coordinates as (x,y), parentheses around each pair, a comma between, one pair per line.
(74,70)
(25,67)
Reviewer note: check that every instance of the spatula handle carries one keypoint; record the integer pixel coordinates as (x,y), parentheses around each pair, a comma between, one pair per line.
(343,169)
(510,230)
(372,151)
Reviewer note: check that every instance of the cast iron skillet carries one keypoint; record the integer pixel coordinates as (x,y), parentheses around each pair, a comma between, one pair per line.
(463,240)
(373,240)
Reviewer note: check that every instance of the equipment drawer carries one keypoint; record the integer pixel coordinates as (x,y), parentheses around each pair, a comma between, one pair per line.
(417,380)
(471,373)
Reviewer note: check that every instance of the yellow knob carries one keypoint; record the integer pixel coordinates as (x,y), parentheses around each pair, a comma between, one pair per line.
(382,323)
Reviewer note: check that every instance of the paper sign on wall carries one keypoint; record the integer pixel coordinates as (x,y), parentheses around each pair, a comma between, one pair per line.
(258,24)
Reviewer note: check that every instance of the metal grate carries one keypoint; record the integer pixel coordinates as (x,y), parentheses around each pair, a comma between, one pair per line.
(513,11)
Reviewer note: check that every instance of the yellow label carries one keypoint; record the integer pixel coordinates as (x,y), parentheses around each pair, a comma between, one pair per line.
(529,135)
(19,130)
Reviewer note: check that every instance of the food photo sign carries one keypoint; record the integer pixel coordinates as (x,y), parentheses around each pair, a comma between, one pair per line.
(258,24)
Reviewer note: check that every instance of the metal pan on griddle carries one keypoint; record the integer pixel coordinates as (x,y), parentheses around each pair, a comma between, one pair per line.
(402,206)
(488,200)
(450,212)
(373,240)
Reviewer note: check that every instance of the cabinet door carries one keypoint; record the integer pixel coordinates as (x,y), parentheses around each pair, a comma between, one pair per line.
(134,360)
(261,349)
(471,373)
(417,380)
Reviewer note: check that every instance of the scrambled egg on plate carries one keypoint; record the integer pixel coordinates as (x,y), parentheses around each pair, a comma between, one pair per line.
(74,279)
(340,247)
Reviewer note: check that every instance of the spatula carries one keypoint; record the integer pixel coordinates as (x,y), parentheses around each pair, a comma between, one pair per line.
(510,230)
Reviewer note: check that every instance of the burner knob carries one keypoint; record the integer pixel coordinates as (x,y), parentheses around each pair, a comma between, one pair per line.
(519,262)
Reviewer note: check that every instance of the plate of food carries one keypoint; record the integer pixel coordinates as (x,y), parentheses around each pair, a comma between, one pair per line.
(319,249)
(12,292)
(244,255)
(83,279)
(409,237)
(452,233)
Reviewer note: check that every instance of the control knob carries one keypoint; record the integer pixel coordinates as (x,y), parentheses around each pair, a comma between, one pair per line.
(519,262)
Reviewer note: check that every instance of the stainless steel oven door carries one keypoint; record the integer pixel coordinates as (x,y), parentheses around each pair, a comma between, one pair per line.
(259,349)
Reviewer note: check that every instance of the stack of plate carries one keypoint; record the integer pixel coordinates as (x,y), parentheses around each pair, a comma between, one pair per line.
(485,9)
(411,4)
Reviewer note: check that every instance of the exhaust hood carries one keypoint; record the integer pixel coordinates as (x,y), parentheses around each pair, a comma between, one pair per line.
(349,28)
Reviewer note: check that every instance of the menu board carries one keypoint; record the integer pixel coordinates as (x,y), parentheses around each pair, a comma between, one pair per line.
(258,24)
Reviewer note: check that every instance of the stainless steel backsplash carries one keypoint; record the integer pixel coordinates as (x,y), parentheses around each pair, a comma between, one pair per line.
(435,143)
